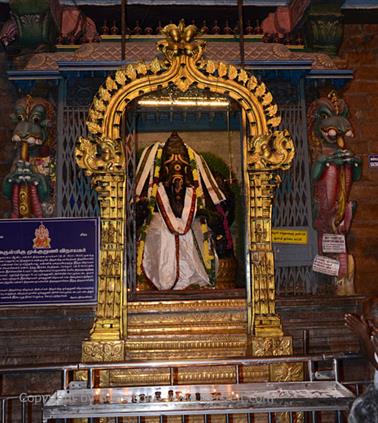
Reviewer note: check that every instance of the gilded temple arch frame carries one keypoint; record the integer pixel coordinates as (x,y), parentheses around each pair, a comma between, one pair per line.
(102,156)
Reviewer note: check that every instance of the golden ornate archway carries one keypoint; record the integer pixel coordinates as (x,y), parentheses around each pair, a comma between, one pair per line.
(102,157)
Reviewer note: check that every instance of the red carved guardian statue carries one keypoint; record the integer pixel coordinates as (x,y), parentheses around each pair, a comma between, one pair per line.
(334,169)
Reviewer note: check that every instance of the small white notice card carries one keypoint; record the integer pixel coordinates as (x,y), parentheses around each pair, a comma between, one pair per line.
(326,265)
(332,243)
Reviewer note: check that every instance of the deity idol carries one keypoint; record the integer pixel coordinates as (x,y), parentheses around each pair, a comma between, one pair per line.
(179,200)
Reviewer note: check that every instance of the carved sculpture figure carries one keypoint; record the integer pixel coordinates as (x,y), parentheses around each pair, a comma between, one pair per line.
(174,190)
(38,24)
(30,182)
(75,26)
(334,169)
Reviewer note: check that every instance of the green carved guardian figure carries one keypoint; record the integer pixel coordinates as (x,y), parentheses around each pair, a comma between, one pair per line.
(30,183)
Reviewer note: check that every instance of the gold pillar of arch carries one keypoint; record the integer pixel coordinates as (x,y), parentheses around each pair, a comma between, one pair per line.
(102,156)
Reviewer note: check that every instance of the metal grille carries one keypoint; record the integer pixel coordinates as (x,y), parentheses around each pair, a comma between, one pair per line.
(75,194)
(130,153)
(292,203)
(292,210)
(294,280)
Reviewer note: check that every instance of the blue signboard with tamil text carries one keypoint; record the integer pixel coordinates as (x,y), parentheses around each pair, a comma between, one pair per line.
(48,261)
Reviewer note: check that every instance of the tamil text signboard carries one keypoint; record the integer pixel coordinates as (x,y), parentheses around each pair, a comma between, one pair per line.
(48,261)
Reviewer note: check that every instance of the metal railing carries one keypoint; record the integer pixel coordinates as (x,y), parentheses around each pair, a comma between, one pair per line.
(25,407)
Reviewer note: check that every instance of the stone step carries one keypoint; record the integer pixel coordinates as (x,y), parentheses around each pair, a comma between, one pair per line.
(189,328)
(183,342)
(174,354)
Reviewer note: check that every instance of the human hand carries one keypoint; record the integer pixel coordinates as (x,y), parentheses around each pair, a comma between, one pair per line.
(357,325)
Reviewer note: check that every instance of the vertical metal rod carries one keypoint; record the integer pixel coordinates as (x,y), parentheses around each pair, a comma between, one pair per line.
(62,100)
(4,410)
(336,369)
(305,341)
(310,370)
(183,419)
(249,418)
(65,379)
(291,417)
(171,376)
(123,29)
(313,416)
(139,419)
(205,419)
(338,416)
(161,419)
(237,374)
(227,418)
(357,389)
(270,417)
(90,378)
(241,33)
(23,412)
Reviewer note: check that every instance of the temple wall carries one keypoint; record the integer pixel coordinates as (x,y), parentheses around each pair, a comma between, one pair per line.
(8,97)
(360,51)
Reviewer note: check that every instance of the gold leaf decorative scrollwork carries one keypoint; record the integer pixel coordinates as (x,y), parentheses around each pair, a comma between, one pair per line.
(141,68)
(94,128)
(210,67)
(120,77)
(271,151)
(252,83)
(94,115)
(155,66)
(103,351)
(99,105)
(104,94)
(260,90)
(287,372)
(232,72)
(282,346)
(274,122)
(262,346)
(130,72)
(272,110)
(222,69)
(100,155)
(110,84)
(183,84)
(243,76)
(268,98)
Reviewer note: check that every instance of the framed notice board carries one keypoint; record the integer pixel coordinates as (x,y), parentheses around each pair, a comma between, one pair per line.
(48,261)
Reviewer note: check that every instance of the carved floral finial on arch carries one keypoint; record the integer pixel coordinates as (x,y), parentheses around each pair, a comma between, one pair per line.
(180,39)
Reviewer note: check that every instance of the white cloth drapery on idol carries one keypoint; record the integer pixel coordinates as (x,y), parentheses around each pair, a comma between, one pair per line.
(173,256)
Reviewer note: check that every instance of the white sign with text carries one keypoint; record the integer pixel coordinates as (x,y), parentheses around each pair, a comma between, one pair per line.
(326,265)
(332,243)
